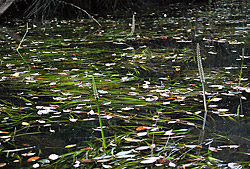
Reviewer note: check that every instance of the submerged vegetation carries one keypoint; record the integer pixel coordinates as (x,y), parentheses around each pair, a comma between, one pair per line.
(77,95)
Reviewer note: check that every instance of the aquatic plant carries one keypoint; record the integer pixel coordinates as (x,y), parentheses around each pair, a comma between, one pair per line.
(23,38)
(240,108)
(132,25)
(152,119)
(96,95)
(202,78)
(241,67)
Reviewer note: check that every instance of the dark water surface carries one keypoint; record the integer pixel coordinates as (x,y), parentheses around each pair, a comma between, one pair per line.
(149,87)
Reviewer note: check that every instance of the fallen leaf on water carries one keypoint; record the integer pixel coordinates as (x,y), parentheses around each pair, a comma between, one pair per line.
(169,133)
(217,86)
(152,146)
(53,156)
(87,160)
(3,164)
(149,160)
(33,159)
(142,134)
(103,160)
(216,99)
(171,164)
(106,166)
(132,140)
(142,128)
(191,124)
(223,110)
(28,154)
(142,148)
(88,148)
(73,120)
(233,165)
(123,153)
(213,149)
(36,165)
(229,146)
(192,146)
(25,124)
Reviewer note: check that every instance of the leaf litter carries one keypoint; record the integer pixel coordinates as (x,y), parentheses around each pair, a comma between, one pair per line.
(147,93)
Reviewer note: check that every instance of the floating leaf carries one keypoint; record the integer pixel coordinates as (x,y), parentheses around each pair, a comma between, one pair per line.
(192,146)
(3,164)
(53,156)
(229,146)
(107,103)
(169,133)
(87,160)
(77,164)
(4,137)
(216,99)
(223,110)
(149,160)
(152,146)
(28,154)
(4,132)
(102,92)
(142,128)
(33,159)
(213,149)
(25,124)
(103,160)
(73,120)
(123,153)
(127,108)
(106,166)
(142,134)
(36,165)
(171,164)
(234,165)
(217,86)
(142,148)
(88,148)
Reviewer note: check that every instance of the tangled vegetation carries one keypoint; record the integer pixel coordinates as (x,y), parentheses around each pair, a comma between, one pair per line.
(75,94)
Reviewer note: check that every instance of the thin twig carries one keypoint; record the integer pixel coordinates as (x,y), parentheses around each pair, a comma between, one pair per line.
(90,16)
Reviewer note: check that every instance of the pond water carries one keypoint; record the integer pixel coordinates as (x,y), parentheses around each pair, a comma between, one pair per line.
(150,93)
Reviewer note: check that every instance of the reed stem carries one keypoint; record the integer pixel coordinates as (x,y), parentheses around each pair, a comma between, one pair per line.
(133,25)
(201,72)
(98,110)
(242,61)
(19,46)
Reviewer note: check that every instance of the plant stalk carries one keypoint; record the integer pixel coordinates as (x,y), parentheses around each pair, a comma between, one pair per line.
(98,110)
(22,40)
(201,72)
